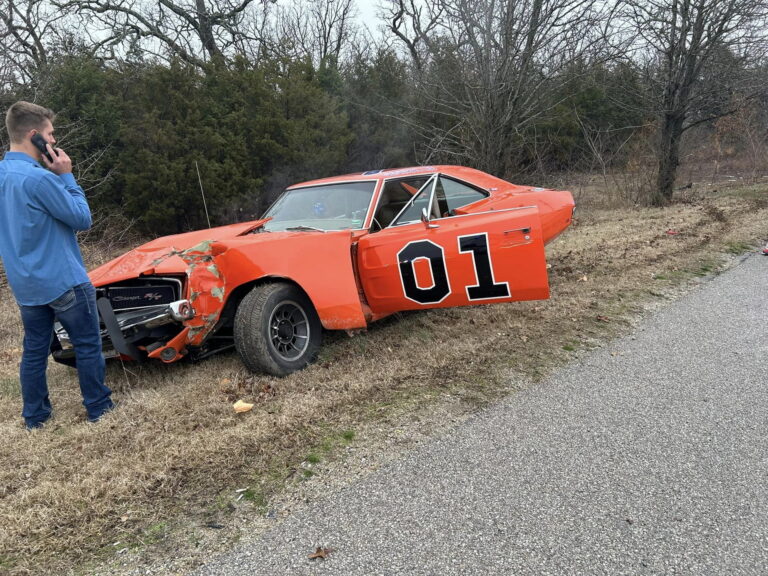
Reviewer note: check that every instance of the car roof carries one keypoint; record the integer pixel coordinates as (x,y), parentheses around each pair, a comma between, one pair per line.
(462,172)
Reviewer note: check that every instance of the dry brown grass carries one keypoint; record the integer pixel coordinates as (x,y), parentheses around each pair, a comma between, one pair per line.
(158,476)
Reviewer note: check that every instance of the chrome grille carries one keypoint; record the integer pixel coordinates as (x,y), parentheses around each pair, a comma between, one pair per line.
(142,293)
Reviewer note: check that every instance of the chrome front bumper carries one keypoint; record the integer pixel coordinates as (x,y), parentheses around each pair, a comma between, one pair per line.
(117,327)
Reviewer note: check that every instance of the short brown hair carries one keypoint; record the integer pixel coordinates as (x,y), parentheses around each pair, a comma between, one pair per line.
(25,116)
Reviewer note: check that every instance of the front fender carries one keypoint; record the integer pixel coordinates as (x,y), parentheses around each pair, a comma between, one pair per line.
(319,263)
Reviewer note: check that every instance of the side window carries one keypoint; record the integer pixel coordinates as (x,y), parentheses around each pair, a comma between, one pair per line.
(420,201)
(394,197)
(458,194)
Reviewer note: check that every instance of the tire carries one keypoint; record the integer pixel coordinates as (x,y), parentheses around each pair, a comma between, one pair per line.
(277,330)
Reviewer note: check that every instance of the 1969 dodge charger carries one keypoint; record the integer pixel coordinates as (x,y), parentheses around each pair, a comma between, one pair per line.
(334,254)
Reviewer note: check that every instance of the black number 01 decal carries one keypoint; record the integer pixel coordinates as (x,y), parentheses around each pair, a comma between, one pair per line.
(486,287)
(424,249)
(477,244)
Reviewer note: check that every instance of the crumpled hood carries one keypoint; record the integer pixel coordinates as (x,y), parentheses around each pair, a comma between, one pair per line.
(168,254)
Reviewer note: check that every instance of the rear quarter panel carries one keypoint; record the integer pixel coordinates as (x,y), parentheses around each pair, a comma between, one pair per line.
(555,207)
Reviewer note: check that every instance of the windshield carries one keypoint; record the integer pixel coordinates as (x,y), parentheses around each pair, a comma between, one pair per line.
(330,207)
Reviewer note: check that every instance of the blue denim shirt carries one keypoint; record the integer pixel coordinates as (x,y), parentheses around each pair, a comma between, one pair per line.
(39,214)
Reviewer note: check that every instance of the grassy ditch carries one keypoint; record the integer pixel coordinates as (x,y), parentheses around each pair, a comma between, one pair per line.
(174,472)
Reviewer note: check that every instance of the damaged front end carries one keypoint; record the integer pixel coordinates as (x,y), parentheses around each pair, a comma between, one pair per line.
(171,310)
(137,318)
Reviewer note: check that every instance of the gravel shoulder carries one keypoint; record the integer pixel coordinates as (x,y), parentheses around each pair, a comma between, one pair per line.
(649,456)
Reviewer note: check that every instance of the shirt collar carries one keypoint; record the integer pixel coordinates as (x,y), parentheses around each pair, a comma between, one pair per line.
(23,156)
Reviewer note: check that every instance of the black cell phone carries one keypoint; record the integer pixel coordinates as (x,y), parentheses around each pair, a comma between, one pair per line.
(40,144)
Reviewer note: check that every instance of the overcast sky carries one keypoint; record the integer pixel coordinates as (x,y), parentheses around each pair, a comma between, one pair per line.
(367,13)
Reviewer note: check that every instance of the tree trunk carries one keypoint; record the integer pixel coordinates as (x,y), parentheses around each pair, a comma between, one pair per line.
(670,133)
(205,30)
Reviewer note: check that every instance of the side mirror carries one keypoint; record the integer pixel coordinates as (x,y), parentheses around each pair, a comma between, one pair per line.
(425,219)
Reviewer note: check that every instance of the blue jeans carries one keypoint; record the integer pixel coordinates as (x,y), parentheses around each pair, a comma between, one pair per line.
(76,310)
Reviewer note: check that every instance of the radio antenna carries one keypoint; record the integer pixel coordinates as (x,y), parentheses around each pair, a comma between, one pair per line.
(202,192)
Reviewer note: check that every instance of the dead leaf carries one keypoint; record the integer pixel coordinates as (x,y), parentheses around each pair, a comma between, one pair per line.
(524,338)
(265,392)
(582,279)
(321,553)
(241,406)
(229,389)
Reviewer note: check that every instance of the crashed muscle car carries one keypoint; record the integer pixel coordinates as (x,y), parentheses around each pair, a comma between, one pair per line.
(335,254)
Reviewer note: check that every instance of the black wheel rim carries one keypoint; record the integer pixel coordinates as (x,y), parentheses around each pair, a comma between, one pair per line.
(289,331)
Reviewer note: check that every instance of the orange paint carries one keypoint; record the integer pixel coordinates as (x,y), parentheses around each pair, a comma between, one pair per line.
(490,250)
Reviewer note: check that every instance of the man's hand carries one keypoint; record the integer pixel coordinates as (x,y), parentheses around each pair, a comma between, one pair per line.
(62,164)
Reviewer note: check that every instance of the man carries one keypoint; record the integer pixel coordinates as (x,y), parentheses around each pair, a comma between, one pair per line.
(40,210)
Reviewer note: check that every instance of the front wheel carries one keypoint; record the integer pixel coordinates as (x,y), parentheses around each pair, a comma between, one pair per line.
(277,330)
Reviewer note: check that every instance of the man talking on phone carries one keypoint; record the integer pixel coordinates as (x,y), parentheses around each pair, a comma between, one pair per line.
(41,208)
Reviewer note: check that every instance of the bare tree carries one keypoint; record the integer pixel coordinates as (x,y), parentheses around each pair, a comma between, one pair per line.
(24,24)
(414,24)
(743,134)
(685,36)
(320,30)
(35,32)
(489,68)
(197,31)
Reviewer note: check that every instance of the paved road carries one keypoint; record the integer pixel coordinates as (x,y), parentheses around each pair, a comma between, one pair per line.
(649,456)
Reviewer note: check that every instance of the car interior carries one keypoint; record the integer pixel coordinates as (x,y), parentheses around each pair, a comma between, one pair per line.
(394,197)
(397,194)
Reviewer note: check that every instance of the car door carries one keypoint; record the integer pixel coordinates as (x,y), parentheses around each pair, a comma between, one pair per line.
(495,256)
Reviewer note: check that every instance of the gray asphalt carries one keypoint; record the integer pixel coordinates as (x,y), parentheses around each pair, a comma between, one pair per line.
(649,456)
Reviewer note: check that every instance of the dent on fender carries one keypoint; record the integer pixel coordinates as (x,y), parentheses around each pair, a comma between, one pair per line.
(207,287)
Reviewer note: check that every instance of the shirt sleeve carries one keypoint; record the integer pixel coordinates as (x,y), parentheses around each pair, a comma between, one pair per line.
(64,199)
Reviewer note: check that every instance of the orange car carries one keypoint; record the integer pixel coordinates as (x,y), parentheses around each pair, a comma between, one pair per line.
(333,254)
